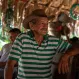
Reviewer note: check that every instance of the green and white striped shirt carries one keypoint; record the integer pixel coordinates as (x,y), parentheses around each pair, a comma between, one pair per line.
(34,61)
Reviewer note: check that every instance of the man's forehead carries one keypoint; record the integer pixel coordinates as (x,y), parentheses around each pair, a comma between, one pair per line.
(43,19)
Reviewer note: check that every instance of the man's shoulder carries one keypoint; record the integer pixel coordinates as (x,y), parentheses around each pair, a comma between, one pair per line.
(22,34)
(7,44)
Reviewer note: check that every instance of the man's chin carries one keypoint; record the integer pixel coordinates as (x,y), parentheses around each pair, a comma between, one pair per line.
(43,34)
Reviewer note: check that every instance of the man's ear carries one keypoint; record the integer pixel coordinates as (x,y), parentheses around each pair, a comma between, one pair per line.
(31,25)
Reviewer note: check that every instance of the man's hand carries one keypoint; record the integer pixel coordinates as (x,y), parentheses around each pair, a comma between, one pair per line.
(63,66)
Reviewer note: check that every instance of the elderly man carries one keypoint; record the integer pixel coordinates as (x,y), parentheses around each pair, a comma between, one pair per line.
(35,49)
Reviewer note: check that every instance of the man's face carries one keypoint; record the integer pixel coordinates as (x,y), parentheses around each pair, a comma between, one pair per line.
(13,36)
(41,26)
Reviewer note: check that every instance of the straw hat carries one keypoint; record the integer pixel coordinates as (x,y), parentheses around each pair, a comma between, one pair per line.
(36,13)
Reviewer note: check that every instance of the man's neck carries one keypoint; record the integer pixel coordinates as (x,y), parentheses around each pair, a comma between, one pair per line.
(38,38)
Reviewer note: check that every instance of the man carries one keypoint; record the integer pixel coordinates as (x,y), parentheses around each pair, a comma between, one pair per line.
(35,49)
(6,49)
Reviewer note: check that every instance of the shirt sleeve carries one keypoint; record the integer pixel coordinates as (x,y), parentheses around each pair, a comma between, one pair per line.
(5,52)
(61,49)
(4,58)
(63,46)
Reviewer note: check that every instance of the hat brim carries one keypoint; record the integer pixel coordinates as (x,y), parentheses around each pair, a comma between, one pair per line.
(27,20)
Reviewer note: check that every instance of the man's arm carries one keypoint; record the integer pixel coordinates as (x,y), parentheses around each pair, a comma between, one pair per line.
(63,66)
(8,72)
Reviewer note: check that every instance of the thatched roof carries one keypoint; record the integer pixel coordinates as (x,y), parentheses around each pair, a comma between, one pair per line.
(22,8)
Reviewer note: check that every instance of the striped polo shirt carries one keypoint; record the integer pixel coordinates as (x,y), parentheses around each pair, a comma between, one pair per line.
(34,61)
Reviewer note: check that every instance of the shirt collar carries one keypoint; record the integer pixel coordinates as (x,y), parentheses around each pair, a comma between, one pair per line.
(30,33)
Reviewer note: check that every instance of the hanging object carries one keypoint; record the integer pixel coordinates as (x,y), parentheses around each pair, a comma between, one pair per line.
(58,29)
(8,16)
(74,12)
(63,17)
